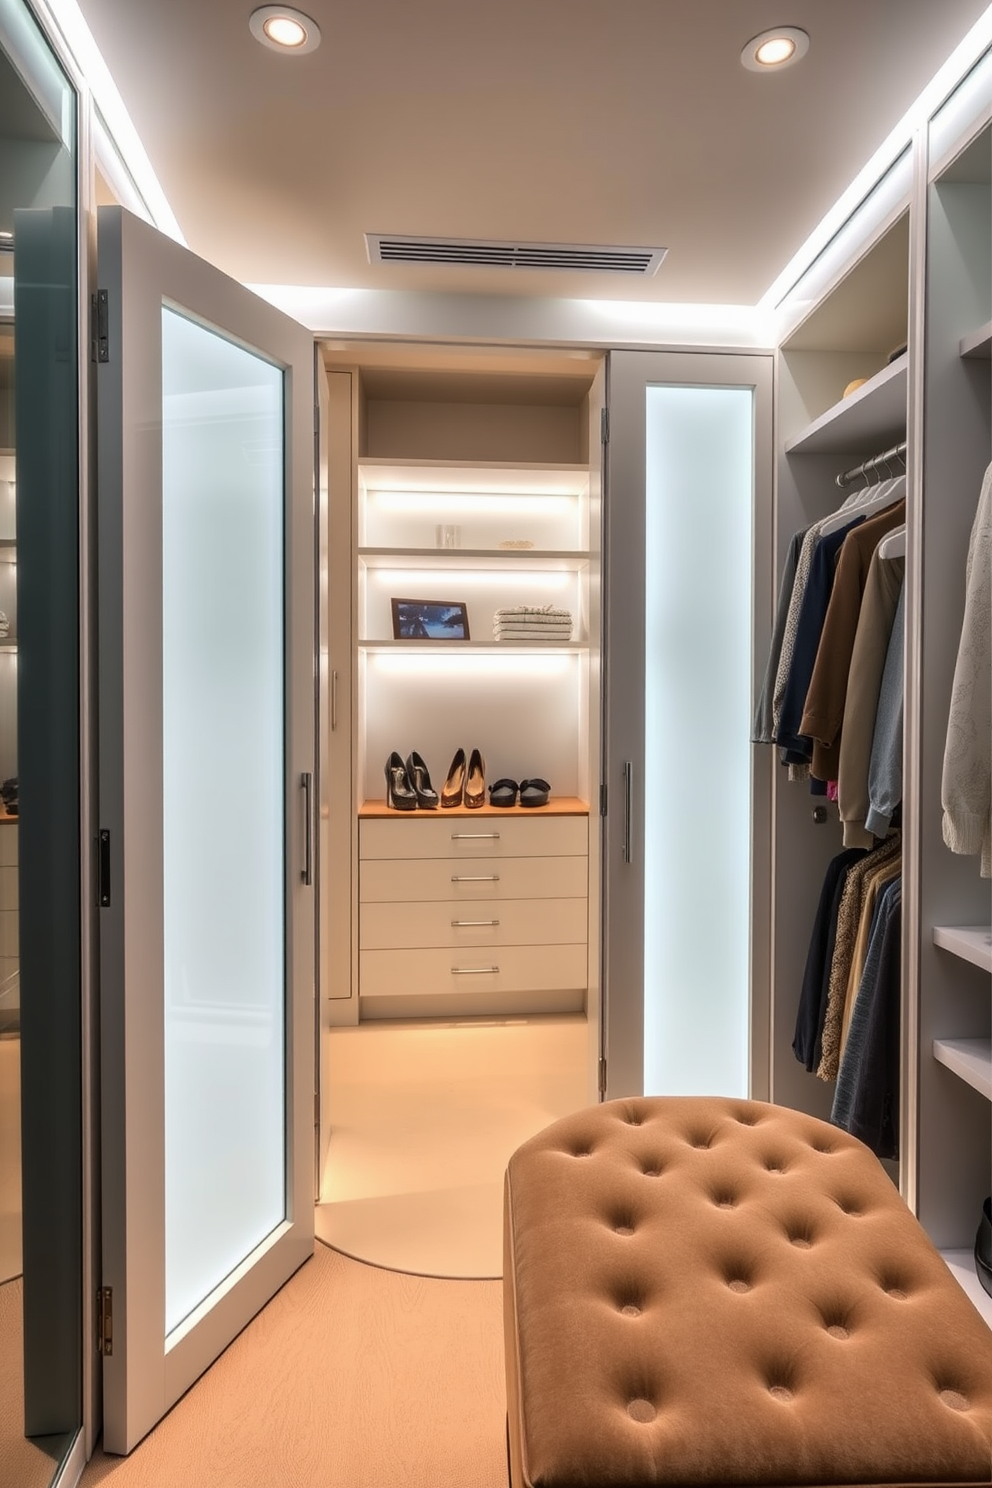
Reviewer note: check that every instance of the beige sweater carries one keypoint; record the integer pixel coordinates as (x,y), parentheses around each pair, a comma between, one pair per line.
(966,788)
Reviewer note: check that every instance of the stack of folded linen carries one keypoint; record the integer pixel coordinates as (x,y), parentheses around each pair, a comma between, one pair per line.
(532,623)
(4,626)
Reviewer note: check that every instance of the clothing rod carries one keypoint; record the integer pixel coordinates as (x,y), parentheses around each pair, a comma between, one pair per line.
(897,452)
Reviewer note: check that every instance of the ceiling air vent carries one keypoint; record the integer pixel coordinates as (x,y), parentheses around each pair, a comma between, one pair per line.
(488,253)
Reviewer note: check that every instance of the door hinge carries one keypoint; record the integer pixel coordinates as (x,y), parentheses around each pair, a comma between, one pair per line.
(103,871)
(602,799)
(100,327)
(105,1321)
(602,1078)
(604,425)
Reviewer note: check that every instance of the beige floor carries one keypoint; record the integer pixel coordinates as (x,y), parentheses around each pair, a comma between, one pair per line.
(10,1158)
(423,1120)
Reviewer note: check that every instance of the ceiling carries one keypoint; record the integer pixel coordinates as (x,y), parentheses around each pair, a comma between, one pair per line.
(627,122)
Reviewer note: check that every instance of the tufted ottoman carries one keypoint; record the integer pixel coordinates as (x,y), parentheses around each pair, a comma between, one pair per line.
(709,1291)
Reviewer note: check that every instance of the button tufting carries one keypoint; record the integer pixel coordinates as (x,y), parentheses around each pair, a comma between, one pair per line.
(837,1331)
(800,1242)
(623,1229)
(651,1172)
(896,1292)
(630,1310)
(779,1392)
(739,1284)
(954,1400)
(725,1201)
(642,1410)
(582,1152)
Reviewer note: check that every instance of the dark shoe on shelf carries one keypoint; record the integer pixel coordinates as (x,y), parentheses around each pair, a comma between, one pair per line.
(419,777)
(475,781)
(983,1248)
(534,792)
(400,794)
(451,791)
(503,793)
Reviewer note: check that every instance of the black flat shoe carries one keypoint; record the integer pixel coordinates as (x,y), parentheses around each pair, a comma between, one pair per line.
(534,792)
(983,1248)
(451,791)
(419,777)
(475,781)
(400,794)
(503,793)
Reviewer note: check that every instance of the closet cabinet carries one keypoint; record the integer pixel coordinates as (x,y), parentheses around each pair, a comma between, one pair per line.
(474,483)
(9,940)
(912,269)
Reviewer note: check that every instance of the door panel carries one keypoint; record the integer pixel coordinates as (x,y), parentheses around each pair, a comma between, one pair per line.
(688,572)
(206,532)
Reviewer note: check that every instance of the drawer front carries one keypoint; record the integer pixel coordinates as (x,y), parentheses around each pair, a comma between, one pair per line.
(516,922)
(461,837)
(393,880)
(487,970)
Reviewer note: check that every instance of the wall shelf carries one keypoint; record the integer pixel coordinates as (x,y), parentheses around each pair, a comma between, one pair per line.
(961,1264)
(496,559)
(978,345)
(506,648)
(873,416)
(971,942)
(969,1059)
(468,478)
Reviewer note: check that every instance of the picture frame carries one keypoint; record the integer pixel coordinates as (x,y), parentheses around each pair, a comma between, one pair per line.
(430,620)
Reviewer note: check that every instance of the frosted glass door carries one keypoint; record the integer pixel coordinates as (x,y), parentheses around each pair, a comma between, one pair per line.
(207,666)
(223,811)
(688,571)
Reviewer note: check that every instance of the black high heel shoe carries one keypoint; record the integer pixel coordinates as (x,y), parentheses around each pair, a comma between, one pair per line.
(419,777)
(451,791)
(400,794)
(475,781)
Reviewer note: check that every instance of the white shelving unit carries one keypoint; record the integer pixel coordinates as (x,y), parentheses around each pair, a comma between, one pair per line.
(978,345)
(969,1059)
(961,1264)
(876,412)
(970,942)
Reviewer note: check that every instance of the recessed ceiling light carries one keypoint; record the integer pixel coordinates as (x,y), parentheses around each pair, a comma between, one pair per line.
(284,30)
(775,49)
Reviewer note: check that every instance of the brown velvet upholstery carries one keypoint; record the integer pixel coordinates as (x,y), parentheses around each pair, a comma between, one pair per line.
(726,1292)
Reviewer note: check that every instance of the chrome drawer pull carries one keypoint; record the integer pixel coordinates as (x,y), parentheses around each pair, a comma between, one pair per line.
(475,878)
(475,836)
(474,970)
(471,924)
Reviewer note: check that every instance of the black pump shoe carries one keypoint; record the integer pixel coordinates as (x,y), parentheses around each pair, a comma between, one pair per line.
(400,794)
(419,777)
(983,1247)
(475,781)
(451,791)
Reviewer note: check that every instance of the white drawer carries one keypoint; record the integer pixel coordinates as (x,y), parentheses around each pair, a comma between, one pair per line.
(488,970)
(439,836)
(397,880)
(517,922)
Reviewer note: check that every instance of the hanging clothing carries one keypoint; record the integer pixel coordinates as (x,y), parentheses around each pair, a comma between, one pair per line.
(848,922)
(883,587)
(806,1042)
(873,886)
(866,1100)
(763,726)
(966,787)
(885,767)
(823,713)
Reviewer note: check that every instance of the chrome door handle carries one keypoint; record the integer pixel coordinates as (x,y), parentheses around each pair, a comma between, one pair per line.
(474,970)
(334,702)
(475,836)
(475,878)
(306,785)
(472,924)
(628,792)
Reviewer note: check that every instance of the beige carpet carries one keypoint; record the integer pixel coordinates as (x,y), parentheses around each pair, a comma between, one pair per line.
(424,1118)
(23,1464)
(350,1378)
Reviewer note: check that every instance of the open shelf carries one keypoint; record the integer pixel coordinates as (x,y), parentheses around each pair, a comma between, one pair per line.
(497,559)
(874,415)
(507,648)
(961,1264)
(971,942)
(557,806)
(978,345)
(470,479)
(969,1059)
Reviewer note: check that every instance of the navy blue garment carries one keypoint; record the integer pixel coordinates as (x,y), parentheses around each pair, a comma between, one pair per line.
(763,713)
(866,1100)
(816,977)
(812,613)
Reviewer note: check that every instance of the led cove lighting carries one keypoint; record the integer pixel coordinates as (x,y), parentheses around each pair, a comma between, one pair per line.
(775,49)
(282,29)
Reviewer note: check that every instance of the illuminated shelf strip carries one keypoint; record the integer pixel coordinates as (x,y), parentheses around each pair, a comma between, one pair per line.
(572,560)
(463,477)
(971,942)
(969,1059)
(507,648)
